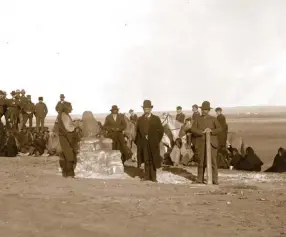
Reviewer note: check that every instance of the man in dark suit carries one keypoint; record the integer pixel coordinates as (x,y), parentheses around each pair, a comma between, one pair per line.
(200,126)
(13,110)
(196,113)
(222,136)
(62,102)
(28,110)
(180,117)
(3,104)
(41,111)
(115,125)
(148,137)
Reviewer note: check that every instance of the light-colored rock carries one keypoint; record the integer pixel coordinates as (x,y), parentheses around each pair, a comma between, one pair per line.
(99,161)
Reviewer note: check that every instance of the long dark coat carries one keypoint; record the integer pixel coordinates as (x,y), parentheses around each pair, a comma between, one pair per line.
(222,136)
(155,135)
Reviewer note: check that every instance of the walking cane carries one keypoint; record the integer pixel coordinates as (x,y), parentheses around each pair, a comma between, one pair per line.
(209,159)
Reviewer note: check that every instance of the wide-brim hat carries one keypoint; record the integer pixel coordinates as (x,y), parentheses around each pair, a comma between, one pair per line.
(206,106)
(147,104)
(114,108)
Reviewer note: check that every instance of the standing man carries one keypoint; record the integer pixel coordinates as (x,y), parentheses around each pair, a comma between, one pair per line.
(115,125)
(41,112)
(180,117)
(28,110)
(13,110)
(68,140)
(3,105)
(23,101)
(148,137)
(62,102)
(222,136)
(196,113)
(200,126)
(133,116)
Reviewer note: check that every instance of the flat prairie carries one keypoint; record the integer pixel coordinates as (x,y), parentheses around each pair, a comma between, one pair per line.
(36,201)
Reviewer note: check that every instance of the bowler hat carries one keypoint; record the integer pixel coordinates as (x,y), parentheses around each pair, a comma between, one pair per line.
(62,96)
(179,107)
(147,104)
(206,106)
(114,107)
(218,109)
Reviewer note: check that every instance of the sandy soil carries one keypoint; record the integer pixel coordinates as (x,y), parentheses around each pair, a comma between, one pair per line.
(36,201)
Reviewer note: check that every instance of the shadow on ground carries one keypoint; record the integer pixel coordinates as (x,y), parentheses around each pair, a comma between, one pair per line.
(180,171)
(133,171)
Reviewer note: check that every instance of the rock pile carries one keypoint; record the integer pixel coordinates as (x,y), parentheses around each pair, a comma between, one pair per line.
(96,156)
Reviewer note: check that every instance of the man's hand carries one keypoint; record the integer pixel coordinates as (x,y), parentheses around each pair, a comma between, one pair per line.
(147,137)
(207,130)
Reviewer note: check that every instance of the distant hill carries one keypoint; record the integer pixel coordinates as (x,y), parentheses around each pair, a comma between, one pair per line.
(241,111)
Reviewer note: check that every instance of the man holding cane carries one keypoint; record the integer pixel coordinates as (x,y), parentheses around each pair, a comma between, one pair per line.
(206,123)
(148,137)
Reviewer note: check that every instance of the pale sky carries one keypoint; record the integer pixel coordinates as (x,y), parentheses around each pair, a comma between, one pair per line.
(173,52)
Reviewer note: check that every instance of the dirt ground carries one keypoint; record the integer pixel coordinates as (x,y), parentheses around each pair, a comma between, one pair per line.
(36,201)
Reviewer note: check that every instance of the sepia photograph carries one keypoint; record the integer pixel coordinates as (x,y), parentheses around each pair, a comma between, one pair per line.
(143,118)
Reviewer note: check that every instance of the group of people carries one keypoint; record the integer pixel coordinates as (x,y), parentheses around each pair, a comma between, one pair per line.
(19,109)
(149,133)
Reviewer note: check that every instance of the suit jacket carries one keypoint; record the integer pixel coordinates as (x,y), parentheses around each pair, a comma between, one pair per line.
(66,104)
(155,135)
(180,117)
(222,120)
(111,125)
(196,115)
(3,105)
(201,124)
(29,108)
(41,110)
(222,136)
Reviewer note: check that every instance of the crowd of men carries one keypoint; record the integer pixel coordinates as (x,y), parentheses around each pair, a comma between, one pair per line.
(18,134)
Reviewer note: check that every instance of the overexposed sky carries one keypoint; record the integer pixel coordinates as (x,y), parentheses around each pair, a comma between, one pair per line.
(173,52)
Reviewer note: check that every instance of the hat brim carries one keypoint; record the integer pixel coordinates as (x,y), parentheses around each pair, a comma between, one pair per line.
(147,107)
(203,108)
(114,109)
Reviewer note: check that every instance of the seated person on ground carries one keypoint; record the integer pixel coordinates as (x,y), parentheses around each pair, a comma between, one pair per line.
(250,162)
(279,162)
